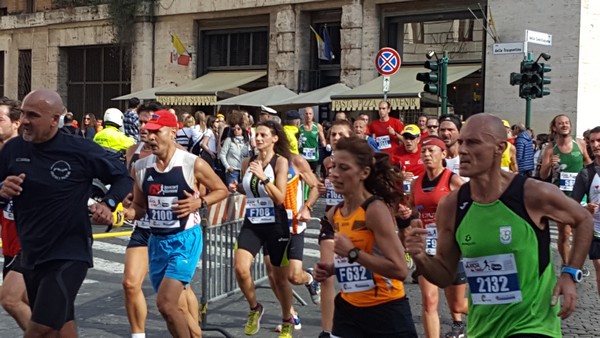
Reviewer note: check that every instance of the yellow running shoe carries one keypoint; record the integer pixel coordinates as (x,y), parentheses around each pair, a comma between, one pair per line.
(253,323)
(287,328)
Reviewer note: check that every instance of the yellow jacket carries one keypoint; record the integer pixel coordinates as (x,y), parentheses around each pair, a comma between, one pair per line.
(112,138)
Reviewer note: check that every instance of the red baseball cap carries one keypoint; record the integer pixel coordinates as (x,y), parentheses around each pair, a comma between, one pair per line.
(161,118)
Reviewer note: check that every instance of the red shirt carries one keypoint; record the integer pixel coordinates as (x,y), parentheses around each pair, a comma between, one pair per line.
(427,202)
(10,241)
(409,162)
(379,130)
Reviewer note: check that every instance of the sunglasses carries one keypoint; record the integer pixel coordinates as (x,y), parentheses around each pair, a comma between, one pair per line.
(409,137)
(433,126)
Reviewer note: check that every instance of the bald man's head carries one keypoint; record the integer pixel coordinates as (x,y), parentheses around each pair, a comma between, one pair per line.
(482,141)
(487,124)
(41,114)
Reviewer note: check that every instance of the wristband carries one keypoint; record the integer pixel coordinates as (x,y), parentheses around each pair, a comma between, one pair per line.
(307,206)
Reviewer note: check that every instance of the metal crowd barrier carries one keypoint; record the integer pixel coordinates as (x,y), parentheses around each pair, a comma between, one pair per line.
(221,225)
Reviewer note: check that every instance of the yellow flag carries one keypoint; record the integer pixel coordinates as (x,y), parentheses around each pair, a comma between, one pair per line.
(178,45)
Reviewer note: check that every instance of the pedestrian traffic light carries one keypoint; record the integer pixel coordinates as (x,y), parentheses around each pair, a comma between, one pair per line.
(540,70)
(431,79)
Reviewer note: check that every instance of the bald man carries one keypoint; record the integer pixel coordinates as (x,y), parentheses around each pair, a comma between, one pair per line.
(498,222)
(48,175)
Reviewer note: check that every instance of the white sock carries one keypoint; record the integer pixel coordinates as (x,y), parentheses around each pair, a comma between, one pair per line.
(311,279)
(138,335)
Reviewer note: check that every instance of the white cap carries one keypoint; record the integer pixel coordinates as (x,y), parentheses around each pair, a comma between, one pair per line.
(268,110)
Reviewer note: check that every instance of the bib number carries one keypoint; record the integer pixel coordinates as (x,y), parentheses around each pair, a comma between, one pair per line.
(352,277)
(331,197)
(160,212)
(493,279)
(8,212)
(309,153)
(567,181)
(384,142)
(260,210)
(431,239)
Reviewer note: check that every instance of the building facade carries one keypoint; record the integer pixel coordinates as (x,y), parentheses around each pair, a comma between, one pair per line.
(67,47)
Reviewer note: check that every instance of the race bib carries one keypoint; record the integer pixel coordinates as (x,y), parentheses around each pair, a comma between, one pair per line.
(407,184)
(431,239)
(384,142)
(493,279)
(160,212)
(352,277)
(309,153)
(332,198)
(260,210)
(8,212)
(567,181)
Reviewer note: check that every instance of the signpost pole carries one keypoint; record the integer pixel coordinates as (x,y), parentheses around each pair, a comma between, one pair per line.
(387,62)
(444,80)
(528,99)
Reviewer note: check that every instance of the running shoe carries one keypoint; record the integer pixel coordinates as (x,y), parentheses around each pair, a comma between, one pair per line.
(254,317)
(314,288)
(457,330)
(297,323)
(287,327)
(324,334)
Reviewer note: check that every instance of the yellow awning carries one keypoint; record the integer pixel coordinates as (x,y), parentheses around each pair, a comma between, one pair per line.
(203,91)
(404,93)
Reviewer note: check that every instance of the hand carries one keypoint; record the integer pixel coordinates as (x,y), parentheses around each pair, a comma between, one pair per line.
(232,187)
(230,170)
(592,207)
(415,241)
(303,214)
(321,188)
(404,212)
(101,214)
(407,175)
(255,167)
(12,186)
(128,201)
(555,160)
(186,206)
(566,288)
(343,244)
(391,131)
(323,271)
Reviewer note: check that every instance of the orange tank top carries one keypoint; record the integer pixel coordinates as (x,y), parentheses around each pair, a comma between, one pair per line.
(359,286)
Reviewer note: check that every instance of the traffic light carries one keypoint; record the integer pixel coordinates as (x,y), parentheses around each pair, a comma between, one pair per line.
(540,70)
(432,78)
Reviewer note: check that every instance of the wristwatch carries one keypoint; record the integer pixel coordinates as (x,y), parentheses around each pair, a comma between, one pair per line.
(353,255)
(110,203)
(204,204)
(576,274)
(266,181)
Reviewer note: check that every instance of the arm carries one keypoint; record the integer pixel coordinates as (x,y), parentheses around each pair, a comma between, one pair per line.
(239,186)
(311,180)
(581,184)
(440,269)
(223,153)
(455,182)
(564,210)
(322,138)
(546,167)
(277,192)
(586,157)
(139,204)
(390,262)
(205,140)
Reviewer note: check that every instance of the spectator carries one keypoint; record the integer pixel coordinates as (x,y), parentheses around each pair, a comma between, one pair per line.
(234,150)
(88,126)
(131,121)
(68,126)
(524,146)
(185,135)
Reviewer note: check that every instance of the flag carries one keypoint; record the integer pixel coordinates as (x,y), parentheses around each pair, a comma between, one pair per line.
(327,40)
(179,53)
(321,53)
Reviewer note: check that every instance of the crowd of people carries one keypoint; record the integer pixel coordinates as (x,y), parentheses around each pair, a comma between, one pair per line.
(462,199)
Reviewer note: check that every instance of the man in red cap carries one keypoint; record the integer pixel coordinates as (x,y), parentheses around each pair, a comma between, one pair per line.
(166,189)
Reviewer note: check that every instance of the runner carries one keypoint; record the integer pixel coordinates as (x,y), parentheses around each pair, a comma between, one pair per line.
(426,192)
(587,183)
(408,155)
(167,185)
(48,175)
(338,130)
(13,295)
(449,130)
(562,162)
(386,130)
(311,136)
(369,258)
(300,176)
(508,298)
(266,223)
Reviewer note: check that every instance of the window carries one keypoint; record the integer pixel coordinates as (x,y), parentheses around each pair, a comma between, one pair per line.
(322,72)
(239,48)
(24,83)
(96,74)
